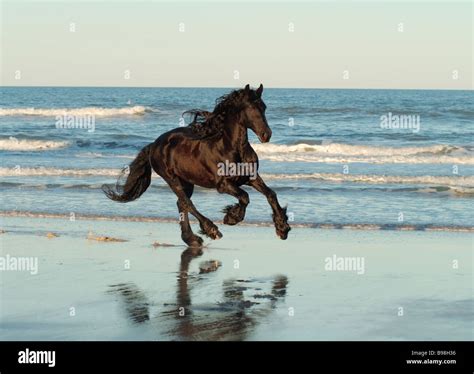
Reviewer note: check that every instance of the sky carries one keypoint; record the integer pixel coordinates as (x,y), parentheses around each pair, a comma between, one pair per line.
(313,44)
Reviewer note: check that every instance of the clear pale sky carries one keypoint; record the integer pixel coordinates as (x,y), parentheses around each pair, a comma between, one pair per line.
(253,38)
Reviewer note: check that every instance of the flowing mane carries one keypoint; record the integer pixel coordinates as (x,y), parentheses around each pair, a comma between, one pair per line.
(205,124)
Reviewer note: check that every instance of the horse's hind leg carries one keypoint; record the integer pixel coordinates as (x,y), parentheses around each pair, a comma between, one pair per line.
(186,206)
(186,232)
(234,213)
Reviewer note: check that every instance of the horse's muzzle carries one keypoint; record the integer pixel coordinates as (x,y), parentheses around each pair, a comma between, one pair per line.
(265,136)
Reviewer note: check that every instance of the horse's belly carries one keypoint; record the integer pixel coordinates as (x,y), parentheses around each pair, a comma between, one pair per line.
(197,174)
(196,170)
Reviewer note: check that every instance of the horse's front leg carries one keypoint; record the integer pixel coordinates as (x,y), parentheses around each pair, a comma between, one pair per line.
(279,214)
(234,213)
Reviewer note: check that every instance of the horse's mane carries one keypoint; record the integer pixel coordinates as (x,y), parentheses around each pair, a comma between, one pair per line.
(205,124)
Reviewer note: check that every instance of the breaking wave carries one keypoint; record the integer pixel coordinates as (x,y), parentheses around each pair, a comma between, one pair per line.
(96,111)
(14,144)
(345,153)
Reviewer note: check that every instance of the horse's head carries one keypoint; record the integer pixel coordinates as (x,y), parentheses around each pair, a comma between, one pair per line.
(245,105)
(254,112)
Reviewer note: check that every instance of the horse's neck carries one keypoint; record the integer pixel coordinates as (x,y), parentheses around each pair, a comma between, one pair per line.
(235,131)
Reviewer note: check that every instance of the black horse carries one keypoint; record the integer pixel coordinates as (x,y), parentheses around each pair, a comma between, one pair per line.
(195,154)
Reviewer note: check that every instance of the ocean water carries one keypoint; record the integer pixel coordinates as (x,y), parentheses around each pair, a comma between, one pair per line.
(336,156)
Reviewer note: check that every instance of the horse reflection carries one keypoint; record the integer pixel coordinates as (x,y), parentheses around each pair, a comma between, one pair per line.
(243,305)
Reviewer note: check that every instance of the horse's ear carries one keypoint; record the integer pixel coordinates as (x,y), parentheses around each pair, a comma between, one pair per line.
(247,87)
(260,90)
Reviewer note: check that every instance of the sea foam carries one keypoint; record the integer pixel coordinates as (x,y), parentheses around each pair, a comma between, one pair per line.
(345,153)
(96,111)
(14,144)
(457,181)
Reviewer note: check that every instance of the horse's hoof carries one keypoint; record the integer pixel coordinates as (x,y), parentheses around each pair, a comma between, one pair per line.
(212,233)
(215,235)
(229,220)
(234,214)
(283,233)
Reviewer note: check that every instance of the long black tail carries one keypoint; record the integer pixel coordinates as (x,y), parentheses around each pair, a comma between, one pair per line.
(138,179)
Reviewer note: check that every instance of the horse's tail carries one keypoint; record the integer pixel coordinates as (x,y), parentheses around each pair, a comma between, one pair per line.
(138,179)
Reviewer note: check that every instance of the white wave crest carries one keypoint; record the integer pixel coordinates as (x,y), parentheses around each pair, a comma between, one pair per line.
(458,181)
(455,181)
(53,112)
(101,155)
(14,144)
(56,172)
(345,153)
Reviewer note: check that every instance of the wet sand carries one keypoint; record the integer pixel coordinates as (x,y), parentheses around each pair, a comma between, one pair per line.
(249,285)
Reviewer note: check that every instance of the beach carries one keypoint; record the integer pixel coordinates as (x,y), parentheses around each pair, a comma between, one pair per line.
(121,280)
(380,249)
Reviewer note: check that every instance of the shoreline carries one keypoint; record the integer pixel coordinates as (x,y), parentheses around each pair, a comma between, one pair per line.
(325,226)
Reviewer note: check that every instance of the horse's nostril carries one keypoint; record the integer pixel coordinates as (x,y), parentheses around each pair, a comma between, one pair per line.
(265,136)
